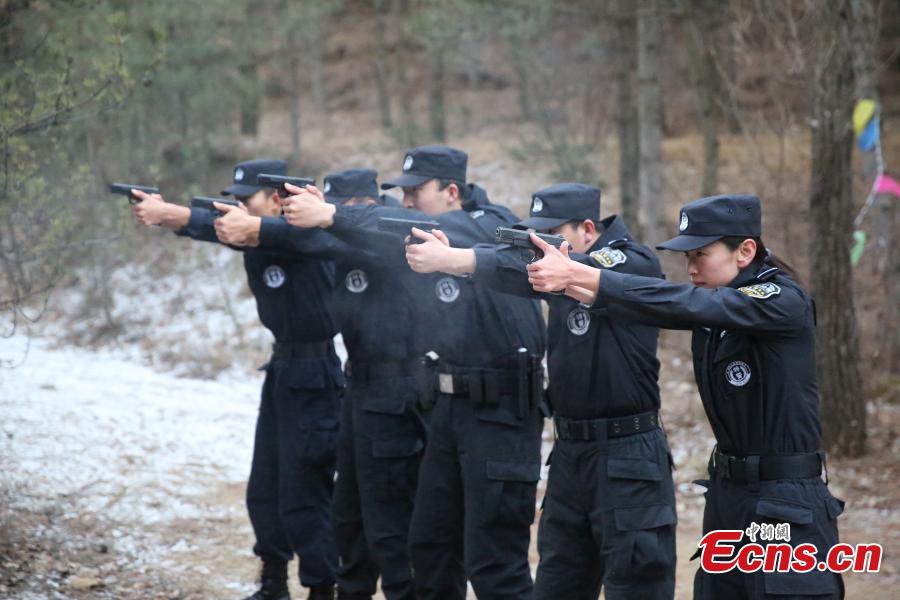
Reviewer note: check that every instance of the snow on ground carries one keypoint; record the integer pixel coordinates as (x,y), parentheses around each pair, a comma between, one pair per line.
(99,436)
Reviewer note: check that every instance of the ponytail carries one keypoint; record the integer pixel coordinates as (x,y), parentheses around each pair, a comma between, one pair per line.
(763,256)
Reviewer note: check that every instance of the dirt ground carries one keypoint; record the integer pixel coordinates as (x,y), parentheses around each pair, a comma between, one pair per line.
(183,533)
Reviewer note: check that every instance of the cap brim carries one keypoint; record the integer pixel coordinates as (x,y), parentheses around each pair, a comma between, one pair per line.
(541,223)
(239,189)
(686,243)
(405,181)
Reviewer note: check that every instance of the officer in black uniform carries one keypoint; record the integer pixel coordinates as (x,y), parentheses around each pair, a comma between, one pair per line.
(382,433)
(292,475)
(754,362)
(609,510)
(475,500)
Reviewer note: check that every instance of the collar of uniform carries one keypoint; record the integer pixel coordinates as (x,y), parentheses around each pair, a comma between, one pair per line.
(745,277)
(767,272)
(476,199)
(614,229)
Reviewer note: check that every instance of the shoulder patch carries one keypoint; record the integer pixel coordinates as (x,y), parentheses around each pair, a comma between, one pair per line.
(475,214)
(761,291)
(608,257)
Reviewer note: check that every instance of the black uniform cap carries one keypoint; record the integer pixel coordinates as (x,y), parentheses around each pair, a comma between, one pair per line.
(430,162)
(708,220)
(561,203)
(244,177)
(352,183)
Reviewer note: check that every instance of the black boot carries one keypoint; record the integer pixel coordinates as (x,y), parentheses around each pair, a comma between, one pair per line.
(273,583)
(321,592)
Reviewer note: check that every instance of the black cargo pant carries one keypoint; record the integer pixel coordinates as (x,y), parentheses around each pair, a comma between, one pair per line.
(380,446)
(292,475)
(810,509)
(476,499)
(608,519)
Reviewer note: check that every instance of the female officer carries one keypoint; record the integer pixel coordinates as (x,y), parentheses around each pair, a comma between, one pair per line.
(754,363)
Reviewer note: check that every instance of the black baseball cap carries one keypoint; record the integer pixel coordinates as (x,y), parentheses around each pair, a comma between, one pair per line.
(244,177)
(352,183)
(430,162)
(710,219)
(561,203)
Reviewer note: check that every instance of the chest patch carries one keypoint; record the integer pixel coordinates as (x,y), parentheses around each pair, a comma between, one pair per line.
(356,281)
(274,276)
(608,257)
(447,290)
(579,321)
(738,373)
(761,291)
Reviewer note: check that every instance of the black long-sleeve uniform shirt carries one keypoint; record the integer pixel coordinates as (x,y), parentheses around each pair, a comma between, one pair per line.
(598,367)
(753,349)
(466,324)
(291,293)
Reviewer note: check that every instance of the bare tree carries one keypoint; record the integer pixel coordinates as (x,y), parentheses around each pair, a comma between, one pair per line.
(649,108)
(831,204)
(703,24)
(864,32)
(624,64)
(380,65)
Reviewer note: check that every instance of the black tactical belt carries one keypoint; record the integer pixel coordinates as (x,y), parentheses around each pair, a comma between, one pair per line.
(592,429)
(479,385)
(765,468)
(381,370)
(302,349)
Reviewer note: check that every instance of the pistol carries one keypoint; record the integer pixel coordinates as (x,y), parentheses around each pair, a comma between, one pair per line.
(521,239)
(403,227)
(124,189)
(277,181)
(207,203)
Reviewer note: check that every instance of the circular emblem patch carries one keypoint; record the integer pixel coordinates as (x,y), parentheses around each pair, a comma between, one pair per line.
(408,162)
(537,206)
(684,222)
(447,289)
(327,187)
(239,174)
(356,281)
(579,321)
(737,373)
(274,276)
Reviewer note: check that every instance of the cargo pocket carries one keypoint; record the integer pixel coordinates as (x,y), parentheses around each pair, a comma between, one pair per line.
(642,543)
(804,530)
(500,412)
(510,493)
(634,481)
(400,458)
(318,446)
(389,403)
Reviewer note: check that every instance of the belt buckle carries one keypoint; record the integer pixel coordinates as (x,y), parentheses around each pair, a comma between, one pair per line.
(445,383)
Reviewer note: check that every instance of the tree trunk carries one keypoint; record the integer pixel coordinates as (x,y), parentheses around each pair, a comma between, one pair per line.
(294,95)
(703,23)
(649,109)
(407,119)
(843,409)
(380,67)
(250,101)
(437,115)
(625,62)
